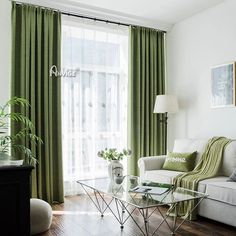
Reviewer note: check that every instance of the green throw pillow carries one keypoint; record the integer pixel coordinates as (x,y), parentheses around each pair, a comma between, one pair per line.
(180,161)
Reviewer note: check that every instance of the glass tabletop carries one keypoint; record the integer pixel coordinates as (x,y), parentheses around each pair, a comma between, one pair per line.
(127,192)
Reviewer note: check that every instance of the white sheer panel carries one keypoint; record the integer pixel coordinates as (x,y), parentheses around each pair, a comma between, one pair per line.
(94,103)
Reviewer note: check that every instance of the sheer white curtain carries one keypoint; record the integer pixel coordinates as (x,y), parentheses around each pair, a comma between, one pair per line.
(94,102)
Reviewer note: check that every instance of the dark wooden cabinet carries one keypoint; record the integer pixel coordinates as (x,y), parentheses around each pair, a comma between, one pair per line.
(15,200)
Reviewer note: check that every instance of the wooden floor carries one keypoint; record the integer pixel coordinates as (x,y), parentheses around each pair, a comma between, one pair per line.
(78,217)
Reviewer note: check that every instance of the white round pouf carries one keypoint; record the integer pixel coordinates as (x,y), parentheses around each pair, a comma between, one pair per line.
(40,216)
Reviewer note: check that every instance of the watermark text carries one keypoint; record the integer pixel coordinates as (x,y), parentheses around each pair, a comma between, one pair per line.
(54,72)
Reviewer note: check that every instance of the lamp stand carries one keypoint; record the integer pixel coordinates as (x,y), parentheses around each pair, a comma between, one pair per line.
(164,120)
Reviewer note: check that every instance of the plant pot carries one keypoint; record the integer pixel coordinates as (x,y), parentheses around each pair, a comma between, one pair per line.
(7,160)
(4,156)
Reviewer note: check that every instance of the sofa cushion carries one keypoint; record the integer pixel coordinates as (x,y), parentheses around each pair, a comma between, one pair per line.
(180,161)
(202,184)
(232,177)
(222,191)
(229,159)
(162,176)
(190,145)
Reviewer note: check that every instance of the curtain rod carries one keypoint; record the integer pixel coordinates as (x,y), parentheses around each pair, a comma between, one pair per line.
(87,17)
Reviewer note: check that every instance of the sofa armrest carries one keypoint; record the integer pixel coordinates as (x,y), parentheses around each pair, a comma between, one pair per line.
(150,163)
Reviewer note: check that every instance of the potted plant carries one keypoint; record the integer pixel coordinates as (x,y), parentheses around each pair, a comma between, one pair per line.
(11,143)
(115,168)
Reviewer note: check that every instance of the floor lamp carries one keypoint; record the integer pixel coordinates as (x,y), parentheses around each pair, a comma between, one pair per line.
(166,104)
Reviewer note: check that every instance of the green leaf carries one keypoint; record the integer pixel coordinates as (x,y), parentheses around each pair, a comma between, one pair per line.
(8,142)
(30,158)
(17,101)
(21,118)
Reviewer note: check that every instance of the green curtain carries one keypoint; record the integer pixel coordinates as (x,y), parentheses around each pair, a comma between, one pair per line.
(36,46)
(147,135)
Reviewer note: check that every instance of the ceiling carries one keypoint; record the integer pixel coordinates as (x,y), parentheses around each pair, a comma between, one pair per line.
(161,14)
(168,11)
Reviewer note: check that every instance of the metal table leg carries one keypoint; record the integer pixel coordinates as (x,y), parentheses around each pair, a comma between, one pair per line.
(99,205)
(146,213)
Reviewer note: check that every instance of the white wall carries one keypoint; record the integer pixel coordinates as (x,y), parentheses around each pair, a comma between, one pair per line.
(5,50)
(193,46)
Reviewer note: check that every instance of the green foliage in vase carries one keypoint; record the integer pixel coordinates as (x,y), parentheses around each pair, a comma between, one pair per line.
(113,154)
(9,142)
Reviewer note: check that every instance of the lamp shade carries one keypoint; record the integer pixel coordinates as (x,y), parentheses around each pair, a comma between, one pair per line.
(166,103)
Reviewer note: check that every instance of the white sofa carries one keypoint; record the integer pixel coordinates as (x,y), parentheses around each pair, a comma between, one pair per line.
(221,203)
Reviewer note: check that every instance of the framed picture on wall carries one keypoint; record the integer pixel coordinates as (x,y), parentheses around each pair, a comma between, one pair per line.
(223,85)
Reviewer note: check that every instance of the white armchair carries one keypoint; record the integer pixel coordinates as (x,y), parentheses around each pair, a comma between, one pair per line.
(150,163)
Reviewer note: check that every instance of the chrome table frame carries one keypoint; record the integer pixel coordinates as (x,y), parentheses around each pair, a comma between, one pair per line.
(122,206)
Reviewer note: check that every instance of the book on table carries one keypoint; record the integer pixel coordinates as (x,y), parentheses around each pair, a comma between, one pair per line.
(149,190)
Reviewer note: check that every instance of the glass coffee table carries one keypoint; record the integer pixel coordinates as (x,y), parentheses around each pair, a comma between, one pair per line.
(103,192)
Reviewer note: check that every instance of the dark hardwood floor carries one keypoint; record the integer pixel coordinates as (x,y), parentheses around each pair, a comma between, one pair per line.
(78,217)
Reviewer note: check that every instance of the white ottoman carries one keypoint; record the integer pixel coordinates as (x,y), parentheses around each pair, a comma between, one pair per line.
(40,216)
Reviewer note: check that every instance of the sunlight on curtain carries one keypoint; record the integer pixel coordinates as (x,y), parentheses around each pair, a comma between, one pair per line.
(94,102)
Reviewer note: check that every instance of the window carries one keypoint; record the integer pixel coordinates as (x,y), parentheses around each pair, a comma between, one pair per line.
(94,102)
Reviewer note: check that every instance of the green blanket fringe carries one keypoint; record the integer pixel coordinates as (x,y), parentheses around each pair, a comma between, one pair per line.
(208,167)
